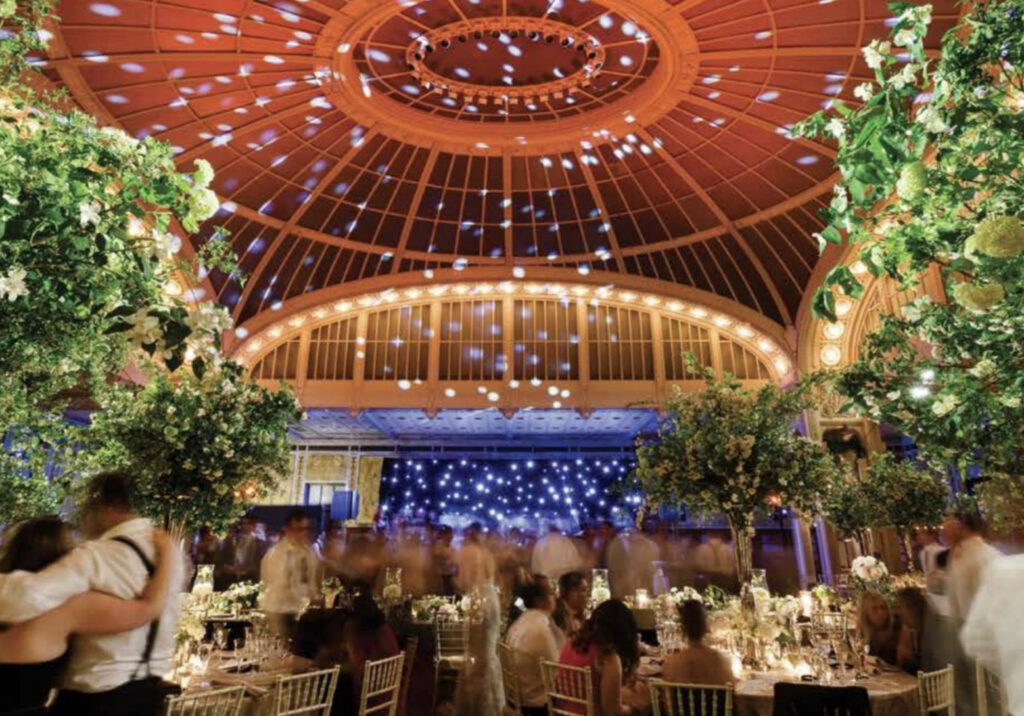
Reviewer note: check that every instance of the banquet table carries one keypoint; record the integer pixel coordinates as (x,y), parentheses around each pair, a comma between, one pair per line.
(891,693)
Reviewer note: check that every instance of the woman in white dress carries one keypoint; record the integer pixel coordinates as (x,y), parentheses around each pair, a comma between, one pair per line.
(479,691)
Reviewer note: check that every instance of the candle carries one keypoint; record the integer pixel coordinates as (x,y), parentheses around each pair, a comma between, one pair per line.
(737,667)
(642,601)
(806,603)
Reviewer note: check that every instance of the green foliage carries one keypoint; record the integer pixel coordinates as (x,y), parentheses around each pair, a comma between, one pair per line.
(728,450)
(201,449)
(949,373)
(848,507)
(904,494)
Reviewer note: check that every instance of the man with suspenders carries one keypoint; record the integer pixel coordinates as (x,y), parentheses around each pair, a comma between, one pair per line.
(112,674)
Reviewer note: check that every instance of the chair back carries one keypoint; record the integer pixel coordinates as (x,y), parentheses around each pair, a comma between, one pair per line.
(308,694)
(815,700)
(990,688)
(669,699)
(569,689)
(382,681)
(222,702)
(410,660)
(510,678)
(451,637)
(936,692)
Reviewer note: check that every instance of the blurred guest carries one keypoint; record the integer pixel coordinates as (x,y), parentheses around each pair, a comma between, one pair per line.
(411,556)
(333,549)
(631,558)
(242,553)
(992,632)
(207,547)
(875,622)
(969,556)
(479,691)
(442,556)
(697,664)
(367,638)
(609,645)
(715,562)
(928,550)
(533,636)
(911,608)
(554,555)
(573,595)
(290,572)
(34,653)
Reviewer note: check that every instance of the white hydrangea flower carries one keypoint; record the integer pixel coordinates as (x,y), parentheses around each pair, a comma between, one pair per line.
(203,174)
(119,140)
(205,203)
(983,368)
(1010,401)
(864,91)
(904,77)
(166,245)
(836,128)
(840,199)
(911,313)
(145,328)
(929,117)
(904,38)
(89,213)
(13,285)
(208,318)
(945,405)
(893,395)
(876,52)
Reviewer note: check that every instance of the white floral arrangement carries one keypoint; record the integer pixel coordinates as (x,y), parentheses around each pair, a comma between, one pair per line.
(599,591)
(447,610)
(392,593)
(685,594)
(244,595)
(869,570)
(786,608)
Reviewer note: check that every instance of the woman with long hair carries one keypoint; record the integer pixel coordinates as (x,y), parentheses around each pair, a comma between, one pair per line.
(609,644)
(911,609)
(33,653)
(875,621)
(698,663)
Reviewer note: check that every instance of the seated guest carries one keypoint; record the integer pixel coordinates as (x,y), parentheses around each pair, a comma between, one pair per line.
(609,644)
(325,638)
(697,664)
(876,626)
(911,608)
(573,594)
(534,636)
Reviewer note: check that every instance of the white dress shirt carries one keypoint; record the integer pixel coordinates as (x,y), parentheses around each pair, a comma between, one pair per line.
(966,566)
(554,555)
(289,573)
(99,663)
(533,636)
(992,633)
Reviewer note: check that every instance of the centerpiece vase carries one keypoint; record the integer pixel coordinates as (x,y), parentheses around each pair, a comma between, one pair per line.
(743,546)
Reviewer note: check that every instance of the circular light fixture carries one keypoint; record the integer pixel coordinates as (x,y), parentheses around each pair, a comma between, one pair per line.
(831,355)
(834,331)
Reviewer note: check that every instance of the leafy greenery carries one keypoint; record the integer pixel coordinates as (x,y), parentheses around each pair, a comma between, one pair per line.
(733,451)
(89,239)
(201,448)
(904,494)
(931,176)
(849,509)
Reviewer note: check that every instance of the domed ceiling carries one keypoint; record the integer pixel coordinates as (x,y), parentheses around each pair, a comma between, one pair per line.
(373,138)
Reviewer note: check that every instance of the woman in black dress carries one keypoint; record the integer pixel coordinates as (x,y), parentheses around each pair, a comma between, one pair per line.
(33,653)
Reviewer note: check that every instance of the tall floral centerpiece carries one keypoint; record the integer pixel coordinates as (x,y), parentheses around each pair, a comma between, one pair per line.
(731,450)
(930,162)
(201,448)
(91,224)
(849,509)
(905,494)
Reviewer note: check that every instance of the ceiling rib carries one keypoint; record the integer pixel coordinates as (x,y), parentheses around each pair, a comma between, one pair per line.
(730,228)
(417,197)
(289,226)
